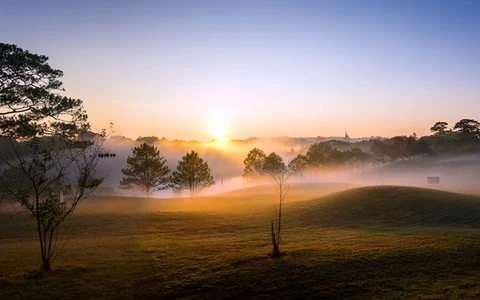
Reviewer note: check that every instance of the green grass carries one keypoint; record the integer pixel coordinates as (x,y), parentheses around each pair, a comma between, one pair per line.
(392,206)
(372,242)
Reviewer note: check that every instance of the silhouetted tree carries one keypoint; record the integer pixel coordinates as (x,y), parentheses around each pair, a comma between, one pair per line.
(357,157)
(380,151)
(31,101)
(273,164)
(48,164)
(320,155)
(442,139)
(192,174)
(147,139)
(254,164)
(439,128)
(419,147)
(146,170)
(298,165)
(468,131)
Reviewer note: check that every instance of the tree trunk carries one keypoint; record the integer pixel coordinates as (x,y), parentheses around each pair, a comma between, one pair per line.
(45,247)
(46,257)
(276,250)
(46,265)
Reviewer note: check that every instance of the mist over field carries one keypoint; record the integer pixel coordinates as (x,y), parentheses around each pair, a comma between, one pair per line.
(286,149)
(225,159)
(457,172)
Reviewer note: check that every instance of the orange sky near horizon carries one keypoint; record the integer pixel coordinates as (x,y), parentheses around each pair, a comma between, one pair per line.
(259,68)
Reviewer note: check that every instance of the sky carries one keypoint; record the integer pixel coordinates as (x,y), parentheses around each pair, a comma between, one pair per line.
(182,69)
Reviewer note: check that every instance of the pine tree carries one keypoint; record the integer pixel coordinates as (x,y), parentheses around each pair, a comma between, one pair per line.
(146,171)
(192,174)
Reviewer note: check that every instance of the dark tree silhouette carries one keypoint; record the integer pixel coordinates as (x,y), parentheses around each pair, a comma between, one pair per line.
(49,160)
(31,98)
(192,174)
(273,164)
(320,155)
(468,129)
(146,170)
(439,128)
(298,165)
(254,164)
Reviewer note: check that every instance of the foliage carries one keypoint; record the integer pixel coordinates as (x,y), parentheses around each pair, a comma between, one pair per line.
(146,170)
(439,128)
(48,177)
(464,135)
(254,164)
(468,132)
(298,165)
(321,155)
(30,97)
(192,174)
(274,164)
(356,157)
(147,139)
(468,127)
(49,159)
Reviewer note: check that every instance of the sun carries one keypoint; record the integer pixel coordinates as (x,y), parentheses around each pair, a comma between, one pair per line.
(218,130)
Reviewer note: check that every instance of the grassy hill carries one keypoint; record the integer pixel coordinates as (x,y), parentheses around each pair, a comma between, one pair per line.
(372,242)
(391,206)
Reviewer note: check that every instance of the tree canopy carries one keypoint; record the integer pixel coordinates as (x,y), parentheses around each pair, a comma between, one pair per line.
(439,127)
(299,164)
(274,164)
(192,174)
(468,129)
(146,170)
(49,160)
(31,100)
(254,163)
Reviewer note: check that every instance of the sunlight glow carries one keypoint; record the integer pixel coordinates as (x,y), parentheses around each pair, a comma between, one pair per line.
(218,130)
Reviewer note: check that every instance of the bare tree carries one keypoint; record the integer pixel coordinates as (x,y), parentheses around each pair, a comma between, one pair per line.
(282,187)
(275,167)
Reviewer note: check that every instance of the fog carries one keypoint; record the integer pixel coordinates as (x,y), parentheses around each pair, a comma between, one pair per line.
(225,160)
(233,193)
(456,173)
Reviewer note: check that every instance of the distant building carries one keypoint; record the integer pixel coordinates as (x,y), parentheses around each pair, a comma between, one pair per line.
(347,137)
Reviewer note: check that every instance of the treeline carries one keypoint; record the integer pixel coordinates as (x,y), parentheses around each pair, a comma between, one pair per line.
(463,137)
(147,170)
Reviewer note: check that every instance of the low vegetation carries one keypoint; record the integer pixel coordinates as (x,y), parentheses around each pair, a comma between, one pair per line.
(389,242)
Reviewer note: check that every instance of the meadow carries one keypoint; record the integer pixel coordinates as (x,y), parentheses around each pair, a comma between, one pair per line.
(339,241)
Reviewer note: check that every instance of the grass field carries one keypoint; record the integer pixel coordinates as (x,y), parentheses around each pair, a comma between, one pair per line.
(367,242)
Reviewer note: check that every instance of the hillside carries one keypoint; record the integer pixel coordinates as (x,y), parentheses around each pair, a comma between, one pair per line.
(361,243)
(390,206)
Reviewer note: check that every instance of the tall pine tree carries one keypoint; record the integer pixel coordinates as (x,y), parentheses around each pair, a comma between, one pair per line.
(146,170)
(192,174)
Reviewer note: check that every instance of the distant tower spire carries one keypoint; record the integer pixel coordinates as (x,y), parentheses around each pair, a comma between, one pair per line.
(347,137)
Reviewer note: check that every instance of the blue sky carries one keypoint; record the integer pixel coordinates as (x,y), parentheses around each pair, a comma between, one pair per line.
(259,68)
